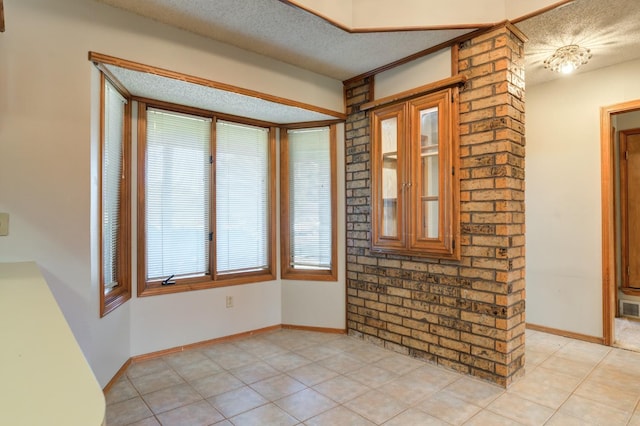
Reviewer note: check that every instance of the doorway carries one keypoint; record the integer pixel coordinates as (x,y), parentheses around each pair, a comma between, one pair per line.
(629,161)
(617,129)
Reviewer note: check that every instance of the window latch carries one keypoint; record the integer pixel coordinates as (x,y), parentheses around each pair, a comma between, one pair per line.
(168,281)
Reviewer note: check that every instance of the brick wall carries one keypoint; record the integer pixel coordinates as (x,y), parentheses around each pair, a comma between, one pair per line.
(469,314)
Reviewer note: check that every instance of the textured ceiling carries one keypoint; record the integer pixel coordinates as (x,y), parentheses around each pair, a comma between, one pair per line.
(166,89)
(275,29)
(610,28)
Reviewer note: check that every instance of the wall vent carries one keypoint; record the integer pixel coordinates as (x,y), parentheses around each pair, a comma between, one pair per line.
(630,308)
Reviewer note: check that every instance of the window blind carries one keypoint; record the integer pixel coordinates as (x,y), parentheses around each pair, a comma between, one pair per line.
(242,198)
(112,167)
(177,192)
(310,198)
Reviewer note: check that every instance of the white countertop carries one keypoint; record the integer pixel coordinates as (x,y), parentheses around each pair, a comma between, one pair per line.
(44,376)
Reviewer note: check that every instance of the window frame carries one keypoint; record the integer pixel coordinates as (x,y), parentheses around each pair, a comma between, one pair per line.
(407,112)
(117,296)
(286,271)
(213,279)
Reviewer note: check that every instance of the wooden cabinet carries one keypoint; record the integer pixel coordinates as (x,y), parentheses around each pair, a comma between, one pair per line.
(414,185)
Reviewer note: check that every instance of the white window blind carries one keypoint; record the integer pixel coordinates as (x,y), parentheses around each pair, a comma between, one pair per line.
(310,198)
(242,198)
(112,169)
(177,189)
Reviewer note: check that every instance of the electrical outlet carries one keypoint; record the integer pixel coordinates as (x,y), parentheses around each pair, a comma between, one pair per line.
(4,224)
(229,301)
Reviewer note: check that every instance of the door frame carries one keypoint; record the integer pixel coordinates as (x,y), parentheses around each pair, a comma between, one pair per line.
(609,287)
(624,203)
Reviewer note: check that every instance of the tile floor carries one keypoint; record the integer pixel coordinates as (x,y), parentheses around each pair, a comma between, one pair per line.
(627,334)
(293,377)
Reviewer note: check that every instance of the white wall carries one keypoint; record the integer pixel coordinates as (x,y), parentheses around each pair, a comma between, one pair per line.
(48,166)
(563,211)
(162,322)
(425,70)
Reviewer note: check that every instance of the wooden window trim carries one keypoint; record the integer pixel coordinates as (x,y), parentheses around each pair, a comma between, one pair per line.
(447,245)
(122,293)
(286,271)
(214,280)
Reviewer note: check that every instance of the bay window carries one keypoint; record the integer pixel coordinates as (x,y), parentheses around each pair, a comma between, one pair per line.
(206,184)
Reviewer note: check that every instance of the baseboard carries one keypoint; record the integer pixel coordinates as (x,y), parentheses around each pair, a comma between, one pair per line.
(563,333)
(229,338)
(118,374)
(317,329)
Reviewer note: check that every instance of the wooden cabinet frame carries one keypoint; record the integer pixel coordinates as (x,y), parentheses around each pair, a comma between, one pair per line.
(408,234)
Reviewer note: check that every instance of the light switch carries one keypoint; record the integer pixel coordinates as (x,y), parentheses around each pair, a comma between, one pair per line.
(4,224)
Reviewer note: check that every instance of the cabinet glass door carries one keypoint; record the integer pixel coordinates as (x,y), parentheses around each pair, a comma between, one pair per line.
(389,177)
(389,184)
(429,174)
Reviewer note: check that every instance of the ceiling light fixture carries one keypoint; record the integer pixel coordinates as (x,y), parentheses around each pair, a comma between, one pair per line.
(567,59)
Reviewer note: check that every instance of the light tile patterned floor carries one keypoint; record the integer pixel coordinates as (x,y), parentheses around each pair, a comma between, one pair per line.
(293,377)
(627,333)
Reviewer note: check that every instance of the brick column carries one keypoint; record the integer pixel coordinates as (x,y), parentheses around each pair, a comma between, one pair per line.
(467,315)
(492,192)
(358,180)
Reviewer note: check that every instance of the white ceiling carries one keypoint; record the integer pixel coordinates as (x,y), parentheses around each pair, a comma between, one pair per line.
(275,28)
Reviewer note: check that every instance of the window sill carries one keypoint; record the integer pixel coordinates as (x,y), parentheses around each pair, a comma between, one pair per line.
(155,288)
(310,275)
(113,299)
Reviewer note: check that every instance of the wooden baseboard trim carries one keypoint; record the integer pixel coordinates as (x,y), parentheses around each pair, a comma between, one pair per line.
(176,349)
(117,376)
(563,333)
(318,329)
